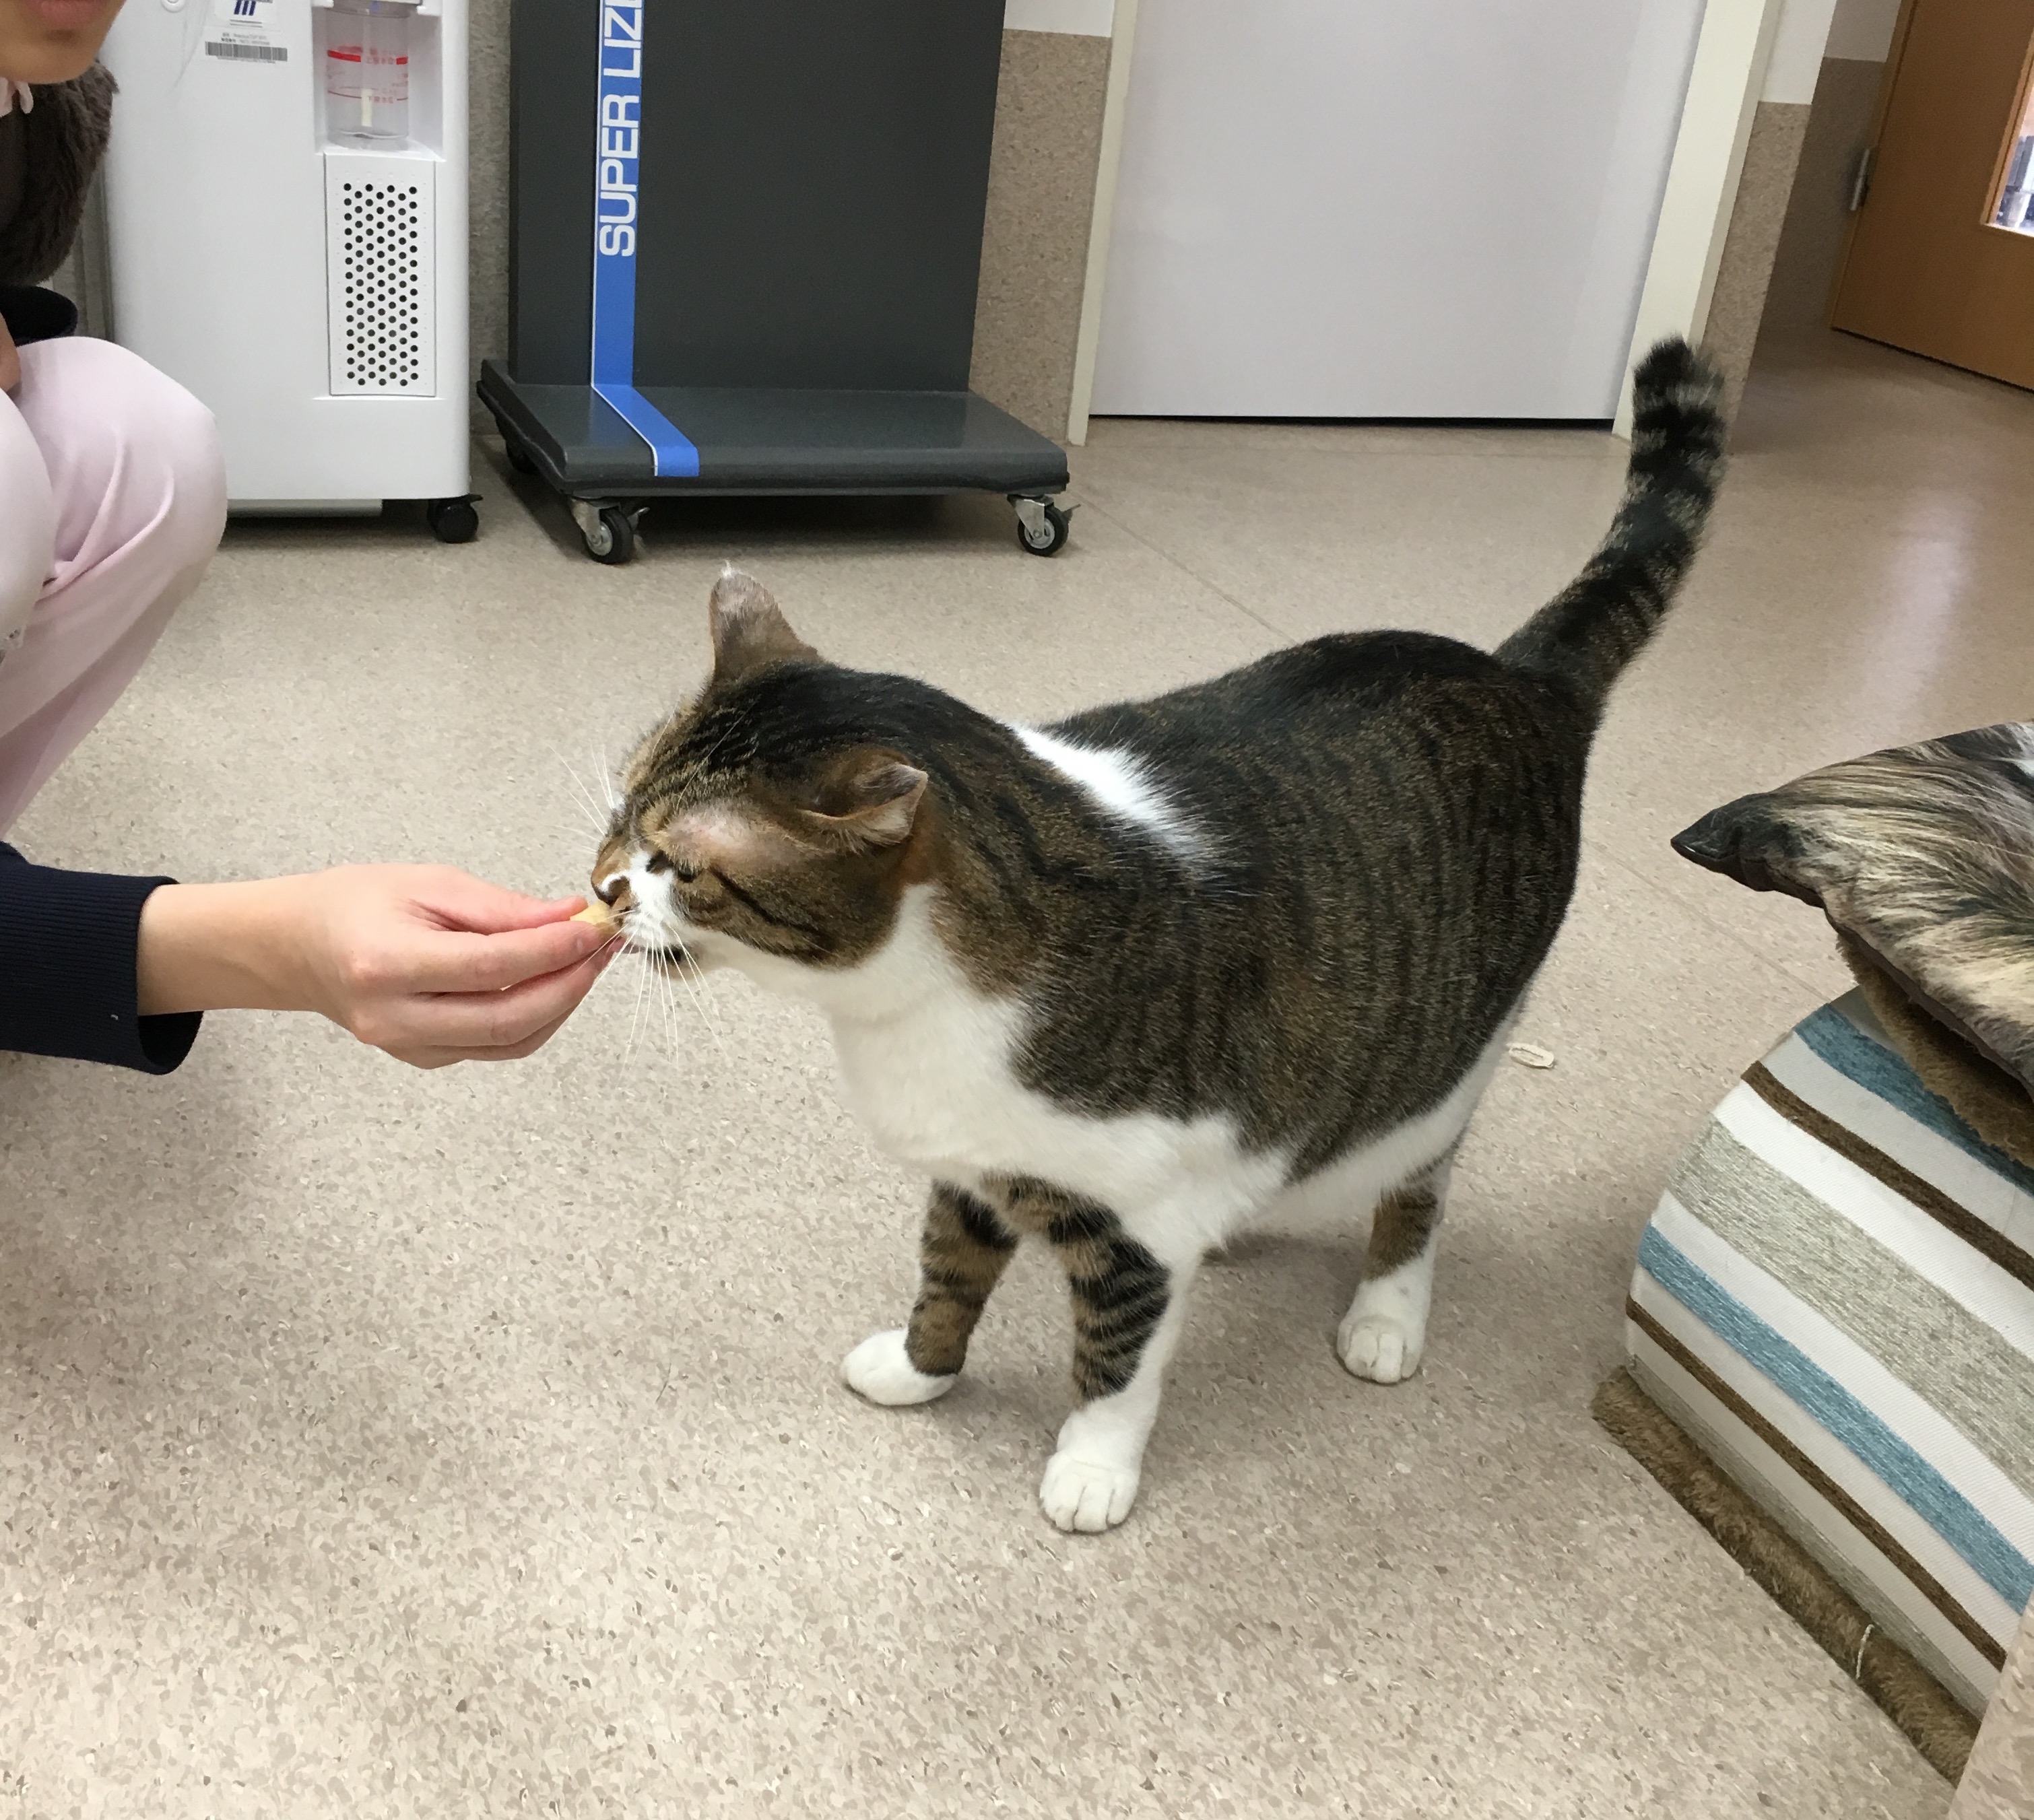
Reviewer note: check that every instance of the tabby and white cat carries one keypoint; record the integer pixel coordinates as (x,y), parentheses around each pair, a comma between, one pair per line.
(1123,983)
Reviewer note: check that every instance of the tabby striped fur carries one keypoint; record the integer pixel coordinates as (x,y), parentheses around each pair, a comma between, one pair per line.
(1126,985)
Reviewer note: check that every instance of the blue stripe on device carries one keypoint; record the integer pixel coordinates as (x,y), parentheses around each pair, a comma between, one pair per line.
(618,133)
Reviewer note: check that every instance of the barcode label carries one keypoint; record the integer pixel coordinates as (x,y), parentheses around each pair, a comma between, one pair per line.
(247,53)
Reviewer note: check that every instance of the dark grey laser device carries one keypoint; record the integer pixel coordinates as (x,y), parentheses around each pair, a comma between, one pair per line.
(744,240)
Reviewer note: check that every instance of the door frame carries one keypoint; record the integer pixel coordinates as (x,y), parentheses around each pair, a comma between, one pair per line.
(1882,109)
(1724,87)
(1122,41)
(2005,155)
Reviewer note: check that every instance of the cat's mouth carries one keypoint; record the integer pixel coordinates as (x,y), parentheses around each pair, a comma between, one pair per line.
(629,919)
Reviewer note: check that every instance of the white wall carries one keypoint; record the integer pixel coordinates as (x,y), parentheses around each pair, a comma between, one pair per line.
(1080,18)
(1357,209)
(1863,29)
(1797,50)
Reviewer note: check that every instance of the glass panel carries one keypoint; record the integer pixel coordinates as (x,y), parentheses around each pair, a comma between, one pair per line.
(2016,194)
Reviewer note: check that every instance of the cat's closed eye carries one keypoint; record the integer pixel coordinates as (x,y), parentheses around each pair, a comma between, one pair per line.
(664,862)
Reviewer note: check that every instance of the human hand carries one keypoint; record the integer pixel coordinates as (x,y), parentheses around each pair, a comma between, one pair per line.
(425,962)
(10,359)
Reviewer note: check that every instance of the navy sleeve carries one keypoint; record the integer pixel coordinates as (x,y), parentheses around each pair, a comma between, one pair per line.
(67,969)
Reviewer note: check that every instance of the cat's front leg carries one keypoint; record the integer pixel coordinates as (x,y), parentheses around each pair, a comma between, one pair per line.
(1128,1304)
(962,1253)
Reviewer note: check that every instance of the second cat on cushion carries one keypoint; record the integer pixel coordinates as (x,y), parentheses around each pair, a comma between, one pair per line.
(1119,985)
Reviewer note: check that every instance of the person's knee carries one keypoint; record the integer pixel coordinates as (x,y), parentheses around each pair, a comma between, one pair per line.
(132,456)
(28,525)
(185,436)
(165,434)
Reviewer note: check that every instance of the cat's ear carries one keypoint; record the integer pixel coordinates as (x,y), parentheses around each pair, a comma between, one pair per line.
(869,799)
(749,629)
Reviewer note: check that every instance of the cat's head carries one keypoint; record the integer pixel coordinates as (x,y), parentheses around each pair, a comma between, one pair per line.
(773,822)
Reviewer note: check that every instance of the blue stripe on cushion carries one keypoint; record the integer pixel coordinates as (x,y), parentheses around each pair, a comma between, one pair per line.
(1947,1511)
(1850,1051)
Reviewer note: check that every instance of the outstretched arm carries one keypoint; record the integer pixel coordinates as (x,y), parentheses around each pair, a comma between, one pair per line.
(425,962)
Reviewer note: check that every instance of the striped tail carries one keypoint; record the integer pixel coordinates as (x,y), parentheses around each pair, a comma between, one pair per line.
(1601,619)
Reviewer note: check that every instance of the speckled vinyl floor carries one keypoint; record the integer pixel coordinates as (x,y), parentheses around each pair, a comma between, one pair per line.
(379,1443)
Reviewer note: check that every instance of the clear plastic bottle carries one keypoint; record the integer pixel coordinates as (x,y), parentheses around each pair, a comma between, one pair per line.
(367,71)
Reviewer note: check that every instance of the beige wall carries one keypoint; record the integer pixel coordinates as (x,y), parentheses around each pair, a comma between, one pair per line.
(1034,243)
(1791,213)
(487,188)
(1818,216)
(1772,153)
(1041,180)
(1819,211)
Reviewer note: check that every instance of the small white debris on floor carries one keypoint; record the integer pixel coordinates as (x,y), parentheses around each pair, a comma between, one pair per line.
(1530,1054)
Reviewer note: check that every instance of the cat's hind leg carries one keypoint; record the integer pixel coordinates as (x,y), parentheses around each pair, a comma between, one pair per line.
(962,1253)
(1384,1333)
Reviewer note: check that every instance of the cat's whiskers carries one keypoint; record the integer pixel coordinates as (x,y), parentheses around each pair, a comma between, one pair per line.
(602,978)
(584,832)
(591,802)
(670,1014)
(671,1022)
(682,971)
(658,1015)
(635,1015)
(573,831)
(701,996)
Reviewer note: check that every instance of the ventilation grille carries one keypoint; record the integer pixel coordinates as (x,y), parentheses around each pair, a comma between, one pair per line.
(380,302)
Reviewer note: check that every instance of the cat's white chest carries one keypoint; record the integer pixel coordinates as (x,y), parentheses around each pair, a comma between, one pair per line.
(934,1089)
(927,1069)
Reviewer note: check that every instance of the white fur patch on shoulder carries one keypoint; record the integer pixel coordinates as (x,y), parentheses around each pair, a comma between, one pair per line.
(1121,784)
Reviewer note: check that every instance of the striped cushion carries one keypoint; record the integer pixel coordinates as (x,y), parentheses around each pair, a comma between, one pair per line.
(1836,1298)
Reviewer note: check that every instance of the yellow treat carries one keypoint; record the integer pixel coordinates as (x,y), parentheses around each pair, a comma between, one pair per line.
(599,914)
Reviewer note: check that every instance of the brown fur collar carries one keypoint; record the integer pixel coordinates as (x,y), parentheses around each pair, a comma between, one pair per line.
(46,162)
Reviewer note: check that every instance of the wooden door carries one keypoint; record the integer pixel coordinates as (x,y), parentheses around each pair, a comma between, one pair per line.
(1941,259)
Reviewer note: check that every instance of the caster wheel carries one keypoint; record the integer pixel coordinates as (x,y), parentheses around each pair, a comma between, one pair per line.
(518,457)
(452,521)
(611,536)
(1042,527)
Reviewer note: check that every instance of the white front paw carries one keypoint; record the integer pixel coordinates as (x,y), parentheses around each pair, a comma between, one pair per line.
(1087,1495)
(1385,1331)
(1376,1347)
(881,1372)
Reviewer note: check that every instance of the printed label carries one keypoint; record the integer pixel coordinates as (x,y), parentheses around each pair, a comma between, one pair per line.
(617,161)
(621,131)
(242,31)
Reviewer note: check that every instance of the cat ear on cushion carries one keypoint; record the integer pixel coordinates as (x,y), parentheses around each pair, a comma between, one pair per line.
(867,798)
(748,627)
